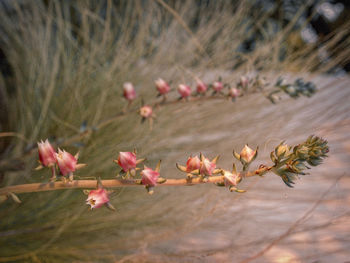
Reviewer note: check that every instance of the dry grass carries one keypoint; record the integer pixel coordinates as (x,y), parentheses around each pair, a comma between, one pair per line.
(69,60)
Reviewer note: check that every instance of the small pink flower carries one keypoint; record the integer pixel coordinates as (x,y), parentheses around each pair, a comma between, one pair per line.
(97,198)
(146,111)
(129,91)
(201,87)
(218,86)
(127,161)
(247,155)
(231,178)
(184,90)
(47,153)
(162,86)
(193,163)
(207,167)
(149,177)
(244,81)
(234,92)
(66,162)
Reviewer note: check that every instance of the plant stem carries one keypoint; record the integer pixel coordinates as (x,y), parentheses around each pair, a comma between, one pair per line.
(114,183)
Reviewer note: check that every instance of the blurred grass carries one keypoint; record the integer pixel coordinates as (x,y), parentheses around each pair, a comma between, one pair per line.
(68,62)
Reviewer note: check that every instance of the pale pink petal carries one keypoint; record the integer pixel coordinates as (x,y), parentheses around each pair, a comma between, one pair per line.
(149,177)
(127,160)
(97,198)
(192,164)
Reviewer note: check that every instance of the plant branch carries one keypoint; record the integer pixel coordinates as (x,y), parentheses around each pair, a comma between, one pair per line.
(113,183)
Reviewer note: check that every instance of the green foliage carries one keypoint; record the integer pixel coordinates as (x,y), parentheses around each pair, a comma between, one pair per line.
(289,164)
(295,90)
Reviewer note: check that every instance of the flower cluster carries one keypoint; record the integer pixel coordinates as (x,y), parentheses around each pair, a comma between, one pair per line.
(128,162)
(218,87)
(201,167)
(288,163)
(185,92)
(65,162)
(295,90)
(205,169)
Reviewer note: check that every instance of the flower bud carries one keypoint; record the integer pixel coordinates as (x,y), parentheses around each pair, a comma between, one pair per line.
(129,91)
(149,177)
(193,163)
(162,86)
(244,81)
(303,152)
(66,162)
(146,111)
(274,98)
(218,86)
(207,167)
(201,87)
(127,161)
(184,90)
(247,155)
(282,150)
(260,82)
(97,198)
(47,154)
(234,92)
(292,91)
(231,178)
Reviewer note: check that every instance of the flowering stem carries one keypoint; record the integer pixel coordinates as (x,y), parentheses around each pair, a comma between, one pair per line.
(114,183)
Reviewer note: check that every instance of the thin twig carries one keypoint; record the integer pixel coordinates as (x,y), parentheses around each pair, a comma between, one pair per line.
(183,24)
(13,134)
(110,183)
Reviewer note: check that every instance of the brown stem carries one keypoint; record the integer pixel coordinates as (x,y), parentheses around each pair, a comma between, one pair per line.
(112,183)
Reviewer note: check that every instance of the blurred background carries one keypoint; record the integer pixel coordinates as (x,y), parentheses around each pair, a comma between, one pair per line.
(63,65)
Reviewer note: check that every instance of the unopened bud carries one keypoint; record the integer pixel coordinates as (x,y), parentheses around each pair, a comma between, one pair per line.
(184,90)
(218,86)
(129,91)
(162,87)
(248,155)
(201,87)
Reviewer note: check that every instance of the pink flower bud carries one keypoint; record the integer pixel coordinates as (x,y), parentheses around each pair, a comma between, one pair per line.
(47,154)
(201,87)
(162,86)
(218,86)
(244,81)
(247,155)
(207,167)
(234,92)
(193,163)
(149,177)
(231,178)
(66,162)
(127,161)
(184,90)
(129,91)
(97,198)
(146,111)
